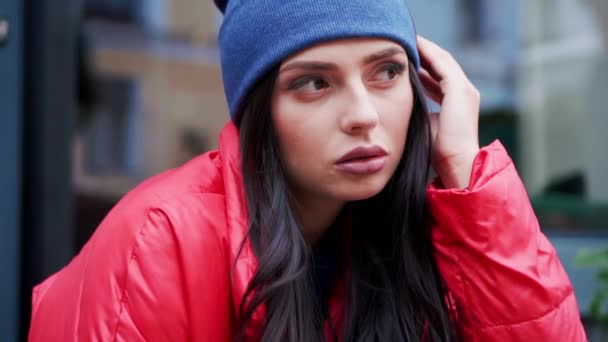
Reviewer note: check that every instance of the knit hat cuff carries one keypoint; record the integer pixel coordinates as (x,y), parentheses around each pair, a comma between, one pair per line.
(257,35)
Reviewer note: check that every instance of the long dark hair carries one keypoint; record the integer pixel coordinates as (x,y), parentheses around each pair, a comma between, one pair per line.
(394,291)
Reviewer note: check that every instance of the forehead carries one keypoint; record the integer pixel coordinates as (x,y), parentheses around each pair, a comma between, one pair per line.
(343,50)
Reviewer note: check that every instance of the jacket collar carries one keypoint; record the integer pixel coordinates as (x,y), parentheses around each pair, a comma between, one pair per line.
(243,268)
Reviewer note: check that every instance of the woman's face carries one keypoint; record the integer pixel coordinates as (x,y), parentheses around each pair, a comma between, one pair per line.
(341,112)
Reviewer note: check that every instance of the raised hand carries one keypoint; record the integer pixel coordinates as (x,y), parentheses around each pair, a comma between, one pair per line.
(455,128)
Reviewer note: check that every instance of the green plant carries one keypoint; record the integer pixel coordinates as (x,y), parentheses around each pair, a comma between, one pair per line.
(598,308)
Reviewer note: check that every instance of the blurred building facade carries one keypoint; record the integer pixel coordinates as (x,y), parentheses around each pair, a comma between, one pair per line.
(522,56)
(561,86)
(483,37)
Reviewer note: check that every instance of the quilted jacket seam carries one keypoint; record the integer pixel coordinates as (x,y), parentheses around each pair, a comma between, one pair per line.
(140,233)
(552,310)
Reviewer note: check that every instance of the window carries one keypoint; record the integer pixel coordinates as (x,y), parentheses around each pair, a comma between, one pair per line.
(123,10)
(112,135)
(477,22)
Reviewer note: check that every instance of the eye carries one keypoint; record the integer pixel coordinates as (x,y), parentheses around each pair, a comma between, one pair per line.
(309,84)
(389,72)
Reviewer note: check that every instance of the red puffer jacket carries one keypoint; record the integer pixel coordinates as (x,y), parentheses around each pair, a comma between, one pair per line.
(157,268)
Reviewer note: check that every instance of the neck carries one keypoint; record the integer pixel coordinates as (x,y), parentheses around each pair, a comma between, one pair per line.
(316,216)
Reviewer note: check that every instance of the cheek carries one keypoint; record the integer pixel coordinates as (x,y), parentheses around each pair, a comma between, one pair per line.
(301,137)
(397,114)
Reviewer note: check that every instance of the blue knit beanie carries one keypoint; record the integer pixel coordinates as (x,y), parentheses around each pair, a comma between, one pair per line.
(256,35)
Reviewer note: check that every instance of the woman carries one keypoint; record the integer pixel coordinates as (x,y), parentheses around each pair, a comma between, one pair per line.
(313,221)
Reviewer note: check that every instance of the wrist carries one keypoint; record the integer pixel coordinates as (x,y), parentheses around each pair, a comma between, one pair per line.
(455,171)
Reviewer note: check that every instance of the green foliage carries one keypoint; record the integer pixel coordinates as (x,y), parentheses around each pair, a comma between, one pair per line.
(598,309)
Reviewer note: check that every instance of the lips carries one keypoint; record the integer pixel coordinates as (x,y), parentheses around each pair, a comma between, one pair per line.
(363,160)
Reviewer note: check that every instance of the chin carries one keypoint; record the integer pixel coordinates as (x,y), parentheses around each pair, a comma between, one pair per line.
(360,190)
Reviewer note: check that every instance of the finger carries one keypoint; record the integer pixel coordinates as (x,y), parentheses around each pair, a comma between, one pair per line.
(432,58)
(436,60)
(426,76)
(431,87)
(426,64)
(433,94)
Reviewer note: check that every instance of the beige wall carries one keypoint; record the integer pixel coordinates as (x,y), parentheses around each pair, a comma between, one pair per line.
(175,94)
(192,18)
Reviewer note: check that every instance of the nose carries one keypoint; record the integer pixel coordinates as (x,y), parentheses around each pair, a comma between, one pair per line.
(360,114)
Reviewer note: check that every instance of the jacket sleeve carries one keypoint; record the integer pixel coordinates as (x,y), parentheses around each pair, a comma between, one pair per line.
(503,273)
(116,289)
(128,284)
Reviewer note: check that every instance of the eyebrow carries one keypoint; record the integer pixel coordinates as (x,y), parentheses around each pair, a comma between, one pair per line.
(314,65)
(388,52)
